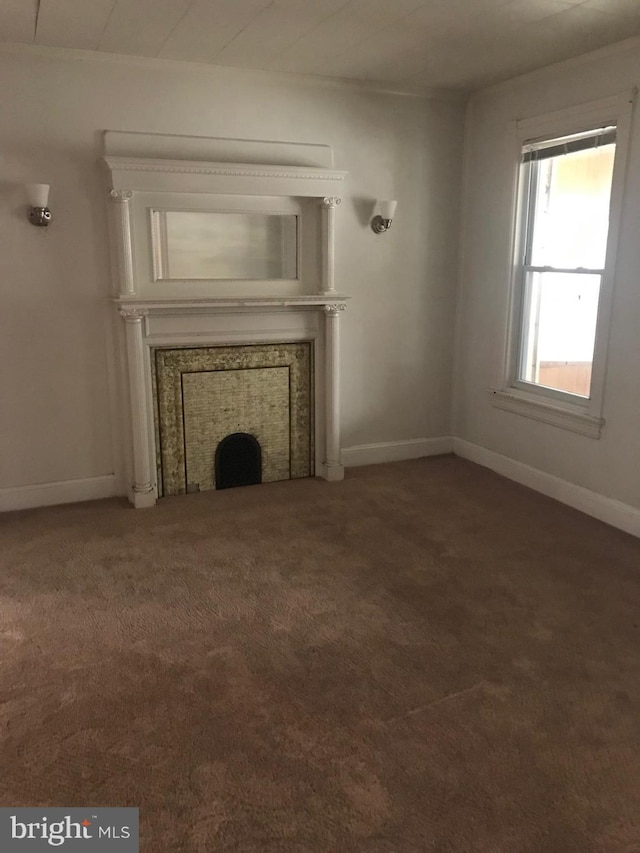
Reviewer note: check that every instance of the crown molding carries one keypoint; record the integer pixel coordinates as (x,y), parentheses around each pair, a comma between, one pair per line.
(553,69)
(397,89)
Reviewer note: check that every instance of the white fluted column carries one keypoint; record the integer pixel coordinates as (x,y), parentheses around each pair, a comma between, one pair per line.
(329,205)
(143,489)
(121,224)
(332,468)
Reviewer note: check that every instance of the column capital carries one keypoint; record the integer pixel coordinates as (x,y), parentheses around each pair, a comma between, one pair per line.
(331,201)
(121,196)
(333,308)
(132,315)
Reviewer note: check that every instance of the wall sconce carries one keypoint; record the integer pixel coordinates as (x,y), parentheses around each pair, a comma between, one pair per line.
(382,221)
(38,198)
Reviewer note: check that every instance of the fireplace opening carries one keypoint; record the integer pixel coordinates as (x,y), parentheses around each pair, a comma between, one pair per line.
(238,461)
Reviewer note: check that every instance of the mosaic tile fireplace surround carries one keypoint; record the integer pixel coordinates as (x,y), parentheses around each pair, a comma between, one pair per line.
(204,395)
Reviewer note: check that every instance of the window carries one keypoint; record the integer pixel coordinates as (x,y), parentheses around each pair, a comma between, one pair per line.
(567,185)
(571,174)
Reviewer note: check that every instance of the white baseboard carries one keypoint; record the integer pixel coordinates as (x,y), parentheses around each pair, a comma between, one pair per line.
(616,513)
(63,492)
(609,510)
(395,451)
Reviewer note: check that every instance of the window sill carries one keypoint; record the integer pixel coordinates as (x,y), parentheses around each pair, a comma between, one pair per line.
(563,416)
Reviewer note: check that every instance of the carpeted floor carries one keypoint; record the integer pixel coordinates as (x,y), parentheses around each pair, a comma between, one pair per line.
(425,657)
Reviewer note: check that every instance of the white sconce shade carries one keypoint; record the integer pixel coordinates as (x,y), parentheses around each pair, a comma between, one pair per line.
(38,197)
(37,194)
(387,209)
(382,222)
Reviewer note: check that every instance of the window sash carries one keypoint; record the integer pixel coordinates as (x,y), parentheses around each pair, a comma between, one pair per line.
(534,151)
(530,337)
(532,154)
(573,270)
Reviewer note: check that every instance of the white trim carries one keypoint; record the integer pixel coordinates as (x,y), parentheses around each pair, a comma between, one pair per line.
(61,492)
(611,511)
(618,514)
(543,409)
(332,468)
(395,451)
(120,216)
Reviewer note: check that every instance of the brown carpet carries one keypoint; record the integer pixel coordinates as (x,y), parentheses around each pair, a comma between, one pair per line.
(425,657)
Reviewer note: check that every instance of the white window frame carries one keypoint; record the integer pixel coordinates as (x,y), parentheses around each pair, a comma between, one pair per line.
(570,411)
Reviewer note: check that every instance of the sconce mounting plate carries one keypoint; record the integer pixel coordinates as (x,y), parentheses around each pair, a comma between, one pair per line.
(39,216)
(380,225)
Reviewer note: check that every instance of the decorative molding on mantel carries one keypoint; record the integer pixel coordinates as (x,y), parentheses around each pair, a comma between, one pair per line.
(132,313)
(121,195)
(134,307)
(242,170)
(329,205)
(200,176)
(121,232)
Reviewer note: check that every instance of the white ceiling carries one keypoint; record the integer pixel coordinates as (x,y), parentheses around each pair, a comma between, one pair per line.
(410,44)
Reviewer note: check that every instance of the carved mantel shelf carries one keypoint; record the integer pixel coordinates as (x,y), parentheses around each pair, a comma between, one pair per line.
(332,301)
(134,173)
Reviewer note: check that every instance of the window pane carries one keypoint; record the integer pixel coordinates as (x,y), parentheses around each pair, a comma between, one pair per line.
(211,245)
(571,208)
(559,328)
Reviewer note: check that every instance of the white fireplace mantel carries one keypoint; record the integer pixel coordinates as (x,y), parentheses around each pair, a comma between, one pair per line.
(190,319)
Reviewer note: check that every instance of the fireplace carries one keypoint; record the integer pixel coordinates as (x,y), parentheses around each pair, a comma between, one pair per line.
(216,406)
(182,286)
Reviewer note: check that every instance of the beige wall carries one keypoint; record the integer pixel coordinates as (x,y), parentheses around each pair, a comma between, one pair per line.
(608,466)
(57,421)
